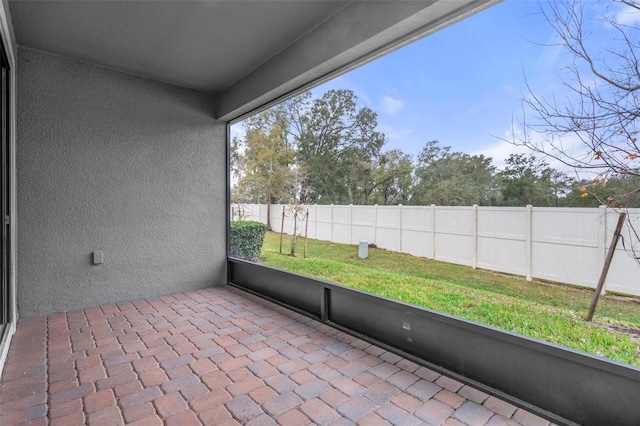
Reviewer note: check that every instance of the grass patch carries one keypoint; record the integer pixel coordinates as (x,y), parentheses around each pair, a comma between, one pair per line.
(537,309)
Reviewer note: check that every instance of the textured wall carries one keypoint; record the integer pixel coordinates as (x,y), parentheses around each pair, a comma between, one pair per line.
(113,162)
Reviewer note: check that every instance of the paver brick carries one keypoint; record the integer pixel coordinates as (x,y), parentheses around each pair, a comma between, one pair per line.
(423,390)
(61,409)
(215,416)
(335,362)
(170,404)
(211,399)
(177,384)
(137,412)
(66,395)
(240,374)
(262,354)
(472,414)
(140,397)
(426,374)
(323,371)
(153,377)
(381,393)
(202,366)
(182,418)
(293,418)
(292,366)
(234,363)
(117,369)
(98,401)
(280,383)
(366,379)
(261,420)
(178,361)
(245,386)
(407,365)
(262,394)
(107,417)
(282,403)
(194,391)
(397,416)
(215,380)
(452,422)
(128,388)
(433,412)
(152,420)
(499,406)
(472,394)
(402,379)
(144,364)
(528,419)
(406,402)
(312,389)
(346,386)
(499,420)
(356,408)
(372,419)
(448,383)
(111,382)
(303,376)
(29,416)
(76,418)
(174,373)
(316,356)
(451,399)
(333,397)
(243,408)
(383,370)
(390,357)
(319,412)
(237,350)
(354,368)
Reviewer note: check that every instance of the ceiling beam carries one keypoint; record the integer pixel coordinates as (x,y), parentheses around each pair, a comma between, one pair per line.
(359,33)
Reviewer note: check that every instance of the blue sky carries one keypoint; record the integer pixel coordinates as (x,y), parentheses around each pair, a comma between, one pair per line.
(463,85)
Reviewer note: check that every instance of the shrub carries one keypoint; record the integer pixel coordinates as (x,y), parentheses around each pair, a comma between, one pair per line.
(246,238)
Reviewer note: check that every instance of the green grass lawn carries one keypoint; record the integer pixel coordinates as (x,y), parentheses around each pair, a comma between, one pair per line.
(533,308)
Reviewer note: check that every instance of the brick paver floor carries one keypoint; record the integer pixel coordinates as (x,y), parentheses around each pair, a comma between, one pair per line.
(221,357)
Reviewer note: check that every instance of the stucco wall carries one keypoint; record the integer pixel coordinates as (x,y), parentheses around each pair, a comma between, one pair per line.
(113,162)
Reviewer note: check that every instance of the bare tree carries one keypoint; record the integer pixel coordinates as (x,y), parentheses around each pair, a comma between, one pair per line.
(601,108)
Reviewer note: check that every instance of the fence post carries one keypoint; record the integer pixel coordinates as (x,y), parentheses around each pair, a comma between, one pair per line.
(331,224)
(315,221)
(433,230)
(602,240)
(350,223)
(528,242)
(399,228)
(375,224)
(474,230)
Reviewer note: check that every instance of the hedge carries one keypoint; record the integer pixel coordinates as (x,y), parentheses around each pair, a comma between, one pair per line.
(246,238)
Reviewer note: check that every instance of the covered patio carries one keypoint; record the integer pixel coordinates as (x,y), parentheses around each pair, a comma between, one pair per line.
(115,120)
(221,356)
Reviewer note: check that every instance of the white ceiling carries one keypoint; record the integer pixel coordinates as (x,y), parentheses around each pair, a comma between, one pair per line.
(205,45)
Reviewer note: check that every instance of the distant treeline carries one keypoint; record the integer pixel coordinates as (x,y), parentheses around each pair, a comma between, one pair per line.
(327,150)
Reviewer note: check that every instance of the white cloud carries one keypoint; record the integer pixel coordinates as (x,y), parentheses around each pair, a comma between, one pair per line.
(238,131)
(343,82)
(391,105)
(501,149)
(627,15)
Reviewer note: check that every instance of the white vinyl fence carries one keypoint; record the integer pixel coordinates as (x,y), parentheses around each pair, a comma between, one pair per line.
(567,245)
